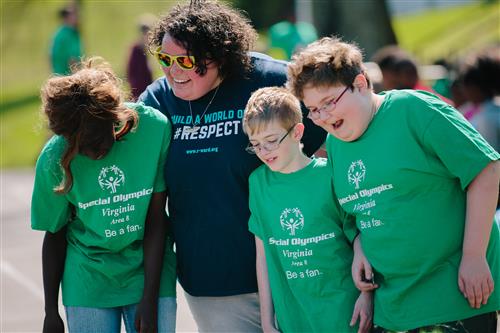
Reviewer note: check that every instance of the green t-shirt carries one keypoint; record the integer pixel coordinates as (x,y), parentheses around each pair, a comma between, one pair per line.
(66,49)
(286,37)
(405,180)
(308,255)
(105,213)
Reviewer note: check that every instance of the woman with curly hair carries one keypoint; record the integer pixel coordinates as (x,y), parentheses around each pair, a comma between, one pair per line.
(99,194)
(203,48)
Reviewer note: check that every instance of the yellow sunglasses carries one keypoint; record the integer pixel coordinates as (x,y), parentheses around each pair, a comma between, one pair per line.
(166,60)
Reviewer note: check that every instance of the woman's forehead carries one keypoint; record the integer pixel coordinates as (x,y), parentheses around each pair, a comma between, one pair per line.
(171,45)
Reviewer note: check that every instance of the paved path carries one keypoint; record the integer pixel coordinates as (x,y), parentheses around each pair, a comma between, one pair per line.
(21,307)
(21,293)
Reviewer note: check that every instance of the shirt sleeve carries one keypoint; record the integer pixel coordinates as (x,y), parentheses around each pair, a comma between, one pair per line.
(160,184)
(349,227)
(149,98)
(347,221)
(463,151)
(50,211)
(254,225)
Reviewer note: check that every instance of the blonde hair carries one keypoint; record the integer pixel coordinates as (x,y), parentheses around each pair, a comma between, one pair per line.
(271,104)
(84,108)
(326,62)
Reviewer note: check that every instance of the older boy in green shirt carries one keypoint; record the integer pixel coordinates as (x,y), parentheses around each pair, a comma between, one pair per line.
(423,185)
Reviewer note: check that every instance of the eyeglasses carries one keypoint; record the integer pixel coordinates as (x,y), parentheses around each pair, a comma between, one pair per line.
(166,60)
(329,106)
(268,145)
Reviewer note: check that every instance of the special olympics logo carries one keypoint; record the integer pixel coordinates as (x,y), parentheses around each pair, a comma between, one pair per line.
(110,178)
(292,220)
(356,173)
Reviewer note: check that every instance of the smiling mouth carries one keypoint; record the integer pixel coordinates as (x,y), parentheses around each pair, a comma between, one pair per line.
(337,124)
(269,160)
(180,81)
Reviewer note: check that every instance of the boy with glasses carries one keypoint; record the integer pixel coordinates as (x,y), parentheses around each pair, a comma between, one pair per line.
(303,254)
(423,186)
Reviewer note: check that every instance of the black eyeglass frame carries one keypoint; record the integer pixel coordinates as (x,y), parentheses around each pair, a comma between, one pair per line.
(254,149)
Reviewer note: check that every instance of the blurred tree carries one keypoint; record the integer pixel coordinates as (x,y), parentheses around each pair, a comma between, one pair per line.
(366,22)
(265,13)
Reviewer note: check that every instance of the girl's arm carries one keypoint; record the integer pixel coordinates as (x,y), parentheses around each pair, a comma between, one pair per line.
(266,302)
(474,278)
(146,317)
(53,258)
(363,310)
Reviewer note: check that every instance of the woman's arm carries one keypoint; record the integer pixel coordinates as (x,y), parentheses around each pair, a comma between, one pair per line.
(53,258)
(266,302)
(155,233)
(474,278)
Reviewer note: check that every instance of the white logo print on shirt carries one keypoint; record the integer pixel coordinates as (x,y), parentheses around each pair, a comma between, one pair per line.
(356,173)
(292,220)
(110,178)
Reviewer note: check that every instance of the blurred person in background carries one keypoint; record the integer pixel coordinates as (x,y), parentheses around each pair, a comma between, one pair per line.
(480,79)
(66,47)
(288,35)
(400,71)
(442,85)
(139,74)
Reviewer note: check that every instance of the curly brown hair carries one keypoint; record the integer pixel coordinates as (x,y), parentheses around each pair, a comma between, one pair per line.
(211,32)
(326,62)
(85,108)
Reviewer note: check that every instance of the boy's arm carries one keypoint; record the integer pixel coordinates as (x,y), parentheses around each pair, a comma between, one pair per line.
(266,302)
(474,278)
(53,258)
(154,248)
(361,269)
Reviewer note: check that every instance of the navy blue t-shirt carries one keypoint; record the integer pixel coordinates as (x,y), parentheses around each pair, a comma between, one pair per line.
(207,180)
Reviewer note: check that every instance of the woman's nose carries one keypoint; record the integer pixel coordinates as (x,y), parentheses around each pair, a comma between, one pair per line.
(174,69)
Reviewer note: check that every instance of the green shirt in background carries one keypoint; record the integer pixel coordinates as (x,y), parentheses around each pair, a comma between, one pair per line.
(105,212)
(308,255)
(405,179)
(65,49)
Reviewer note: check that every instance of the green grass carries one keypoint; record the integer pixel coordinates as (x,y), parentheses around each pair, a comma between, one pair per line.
(109,27)
(449,33)
(22,135)
(108,30)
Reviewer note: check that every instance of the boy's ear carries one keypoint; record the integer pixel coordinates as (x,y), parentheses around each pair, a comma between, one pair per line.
(360,82)
(298,132)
